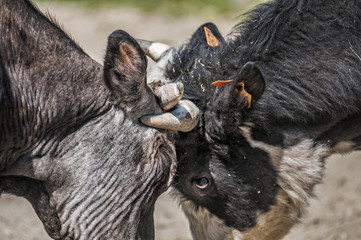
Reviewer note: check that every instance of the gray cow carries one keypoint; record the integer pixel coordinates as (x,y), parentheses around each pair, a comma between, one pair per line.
(70,139)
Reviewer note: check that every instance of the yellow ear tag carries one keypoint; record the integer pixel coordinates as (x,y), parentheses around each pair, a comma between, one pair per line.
(239,89)
(211,39)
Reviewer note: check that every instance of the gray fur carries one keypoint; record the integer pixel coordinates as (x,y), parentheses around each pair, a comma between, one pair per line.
(69,143)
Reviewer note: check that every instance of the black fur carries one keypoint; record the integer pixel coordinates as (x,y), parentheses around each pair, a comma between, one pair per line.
(70,139)
(309,54)
(197,64)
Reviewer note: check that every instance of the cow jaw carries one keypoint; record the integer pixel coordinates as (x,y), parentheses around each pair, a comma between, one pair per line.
(203,224)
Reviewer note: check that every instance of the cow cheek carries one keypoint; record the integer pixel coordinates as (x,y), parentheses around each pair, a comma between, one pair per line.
(275,223)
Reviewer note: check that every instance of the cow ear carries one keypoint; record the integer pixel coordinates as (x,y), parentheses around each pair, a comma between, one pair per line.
(243,91)
(125,68)
(252,80)
(207,35)
(232,98)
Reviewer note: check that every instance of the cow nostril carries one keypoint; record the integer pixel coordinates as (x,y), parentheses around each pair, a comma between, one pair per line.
(202,182)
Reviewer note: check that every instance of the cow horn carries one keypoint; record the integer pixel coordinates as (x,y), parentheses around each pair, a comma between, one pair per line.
(169,95)
(153,50)
(184,118)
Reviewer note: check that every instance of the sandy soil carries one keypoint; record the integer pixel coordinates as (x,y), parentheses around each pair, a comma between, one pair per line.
(335,215)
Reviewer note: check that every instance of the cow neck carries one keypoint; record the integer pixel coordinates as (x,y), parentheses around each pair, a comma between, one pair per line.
(51,86)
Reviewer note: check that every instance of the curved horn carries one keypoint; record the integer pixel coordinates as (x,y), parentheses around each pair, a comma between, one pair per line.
(184,118)
(153,50)
(169,95)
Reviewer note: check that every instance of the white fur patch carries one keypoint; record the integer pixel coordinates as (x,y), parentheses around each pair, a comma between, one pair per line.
(236,235)
(157,71)
(300,169)
(157,49)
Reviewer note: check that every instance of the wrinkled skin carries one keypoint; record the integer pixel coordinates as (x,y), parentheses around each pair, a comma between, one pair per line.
(70,139)
(248,171)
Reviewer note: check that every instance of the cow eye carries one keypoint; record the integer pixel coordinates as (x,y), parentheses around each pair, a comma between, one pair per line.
(202,182)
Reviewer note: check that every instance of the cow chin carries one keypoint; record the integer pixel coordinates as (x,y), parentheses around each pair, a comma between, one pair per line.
(203,224)
(273,224)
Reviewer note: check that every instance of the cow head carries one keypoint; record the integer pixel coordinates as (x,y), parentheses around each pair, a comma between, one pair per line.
(218,168)
(90,169)
(225,183)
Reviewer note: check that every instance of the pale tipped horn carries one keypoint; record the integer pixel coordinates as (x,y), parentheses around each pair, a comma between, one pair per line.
(169,95)
(153,50)
(184,118)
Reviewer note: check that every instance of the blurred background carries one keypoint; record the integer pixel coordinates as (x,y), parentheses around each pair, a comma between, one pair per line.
(336,212)
(172,8)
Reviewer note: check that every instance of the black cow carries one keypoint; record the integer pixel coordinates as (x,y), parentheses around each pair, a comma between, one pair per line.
(289,98)
(70,139)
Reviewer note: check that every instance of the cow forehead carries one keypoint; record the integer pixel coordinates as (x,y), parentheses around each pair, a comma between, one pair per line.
(195,68)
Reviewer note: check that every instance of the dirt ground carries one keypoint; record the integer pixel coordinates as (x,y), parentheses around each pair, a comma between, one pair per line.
(334,215)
